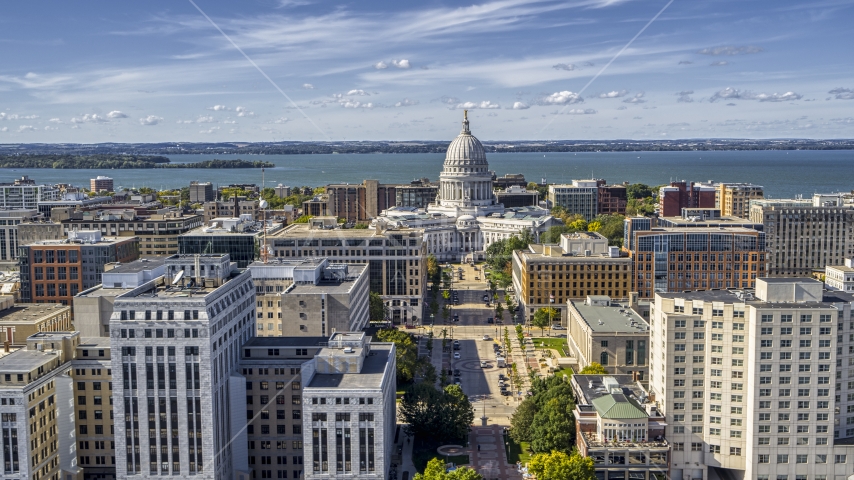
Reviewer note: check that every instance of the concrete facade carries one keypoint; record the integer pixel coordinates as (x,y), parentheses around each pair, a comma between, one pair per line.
(10,221)
(840,277)
(581,197)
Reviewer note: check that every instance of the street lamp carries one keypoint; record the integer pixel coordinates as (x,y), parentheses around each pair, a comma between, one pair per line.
(551,302)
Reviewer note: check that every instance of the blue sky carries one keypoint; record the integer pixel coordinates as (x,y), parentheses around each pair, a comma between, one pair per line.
(106,71)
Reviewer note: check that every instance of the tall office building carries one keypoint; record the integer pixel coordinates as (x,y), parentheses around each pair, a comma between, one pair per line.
(582,197)
(238,237)
(201,192)
(753,383)
(733,199)
(804,236)
(101,184)
(179,401)
(361,202)
(10,220)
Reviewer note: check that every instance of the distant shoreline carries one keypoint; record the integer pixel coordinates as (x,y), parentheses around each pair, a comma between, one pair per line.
(117,162)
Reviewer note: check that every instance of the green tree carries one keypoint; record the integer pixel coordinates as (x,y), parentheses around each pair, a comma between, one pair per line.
(443,415)
(638,191)
(433,270)
(303,219)
(378,309)
(499,312)
(557,465)
(435,470)
(594,369)
(543,318)
(522,420)
(460,411)
(553,427)
(579,225)
(446,295)
(594,226)
(407,352)
(430,342)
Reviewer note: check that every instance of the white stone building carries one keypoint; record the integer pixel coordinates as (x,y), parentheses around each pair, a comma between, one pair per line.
(179,402)
(466,216)
(754,383)
(840,277)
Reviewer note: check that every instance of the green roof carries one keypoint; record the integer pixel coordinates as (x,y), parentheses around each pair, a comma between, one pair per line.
(616,407)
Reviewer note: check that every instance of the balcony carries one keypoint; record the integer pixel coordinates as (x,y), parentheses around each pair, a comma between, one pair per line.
(591,440)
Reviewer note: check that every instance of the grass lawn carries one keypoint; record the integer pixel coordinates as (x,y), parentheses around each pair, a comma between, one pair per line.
(558,344)
(564,371)
(458,459)
(517,452)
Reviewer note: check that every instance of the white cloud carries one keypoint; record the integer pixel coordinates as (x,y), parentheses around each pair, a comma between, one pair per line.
(731,50)
(719,64)
(218,108)
(281,120)
(580,111)
(355,104)
(638,98)
(49,128)
(150,120)
(308,86)
(728,92)
(614,94)
(406,103)
(55,120)
(244,112)
(622,107)
(486,104)
(15,116)
(185,121)
(203,119)
(520,106)
(565,66)
(403,63)
(4,129)
(360,93)
(25,128)
(116,114)
(381,65)
(210,130)
(842,93)
(685,96)
(562,98)
(731,93)
(89,118)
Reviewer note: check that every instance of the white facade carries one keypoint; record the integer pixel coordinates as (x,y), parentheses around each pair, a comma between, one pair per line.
(746,381)
(175,345)
(840,277)
(26,194)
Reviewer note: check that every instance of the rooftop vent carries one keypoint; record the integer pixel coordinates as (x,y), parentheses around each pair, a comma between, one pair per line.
(348,349)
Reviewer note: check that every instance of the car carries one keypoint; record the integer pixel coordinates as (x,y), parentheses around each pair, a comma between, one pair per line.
(456,318)
(457,372)
(501,383)
(506,393)
(489,320)
(457,381)
(557,327)
(502,386)
(486,337)
(484,364)
(486,298)
(501,376)
(456,355)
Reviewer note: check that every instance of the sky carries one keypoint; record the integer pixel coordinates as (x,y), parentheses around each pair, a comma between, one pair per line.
(304,70)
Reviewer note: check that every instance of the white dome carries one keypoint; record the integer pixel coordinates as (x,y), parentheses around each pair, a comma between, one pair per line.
(466,149)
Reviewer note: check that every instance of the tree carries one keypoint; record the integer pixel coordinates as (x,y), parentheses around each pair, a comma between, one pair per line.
(522,419)
(499,312)
(579,225)
(435,470)
(444,338)
(553,427)
(426,370)
(407,356)
(459,411)
(430,342)
(543,317)
(594,226)
(638,191)
(560,466)
(594,369)
(446,294)
(378,308)
(443,415)
(433,270)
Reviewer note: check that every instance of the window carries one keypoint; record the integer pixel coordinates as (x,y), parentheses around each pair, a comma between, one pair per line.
(840,459)
(784,458)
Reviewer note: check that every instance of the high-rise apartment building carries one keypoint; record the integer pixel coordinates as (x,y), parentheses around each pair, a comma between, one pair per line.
(55,271)
(804,236)
(310,297)
(316,207)
(178,397)
(678,195)
(361,202)
(101,184)
(582,197)
(24,193)
(231,209)
(282,191)
(753,384)
(673,259)
(9,236)
(201,192)
(733,199)
(612,199)
(91,372)
(395,258)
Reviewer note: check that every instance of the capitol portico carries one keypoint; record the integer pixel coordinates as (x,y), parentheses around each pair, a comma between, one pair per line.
(466,217)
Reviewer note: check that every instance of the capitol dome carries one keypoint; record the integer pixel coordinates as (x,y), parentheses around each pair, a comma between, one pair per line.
(466,150)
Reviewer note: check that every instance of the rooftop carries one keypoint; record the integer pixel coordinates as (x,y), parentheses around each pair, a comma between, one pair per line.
(30,312)
(303,230)
(142,264)
(371,376)
(617,406)
(25,361)
(94,342)
(331,286)
(271,342)
(593,387)
(614,318)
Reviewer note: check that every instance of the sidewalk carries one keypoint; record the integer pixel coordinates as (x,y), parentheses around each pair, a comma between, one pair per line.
(490,460)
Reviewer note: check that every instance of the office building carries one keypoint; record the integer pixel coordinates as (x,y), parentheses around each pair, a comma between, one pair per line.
(316,207)
(55,271)
(282,191)
(840,277)
(310,297)
(72,201)
(678,195)
(238,237)
(362,202)
(101,184)
(231,209)
(94,307)
(201,192)
(24,193)
(395,257)
(36,403)
(619,426)
(18,321)
(610,333)
(91,372)
(803,235)
(176,345)
(752,382)
(733,199)
(515,196)
(611,199)
(583,264)
(508,180)
(9,236)
(673,259)
(353,385)
(581,197)
(418,194)
(705,217)
(157,231)
(37,230)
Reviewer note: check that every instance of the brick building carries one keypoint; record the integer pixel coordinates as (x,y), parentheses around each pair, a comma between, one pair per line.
(678,195)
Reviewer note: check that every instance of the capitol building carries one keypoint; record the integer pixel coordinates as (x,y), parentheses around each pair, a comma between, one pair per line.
(466,218)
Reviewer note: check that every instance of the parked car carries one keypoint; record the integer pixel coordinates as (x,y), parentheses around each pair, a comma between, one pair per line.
(506,393)
(484,364)
(456,355)
(557,327)
(456,318)
(490,320)
(486,337)
(457,372)
(486,298)
(457,381)
(501,376)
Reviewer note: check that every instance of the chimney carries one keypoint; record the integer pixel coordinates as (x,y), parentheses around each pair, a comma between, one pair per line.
(236,207)
(6,346)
